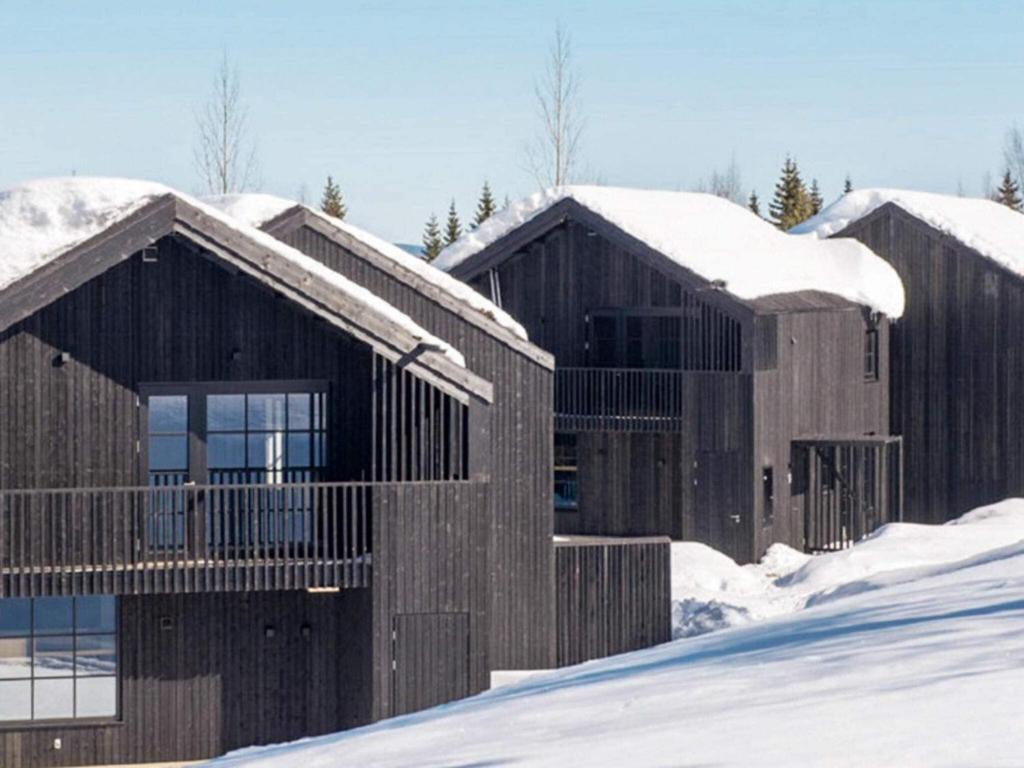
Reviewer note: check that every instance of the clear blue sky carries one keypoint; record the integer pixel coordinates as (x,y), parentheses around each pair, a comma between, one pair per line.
(410,103)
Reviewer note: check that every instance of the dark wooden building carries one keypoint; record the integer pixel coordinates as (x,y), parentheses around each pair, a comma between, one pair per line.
(957,354)
(496,348)
(242,499)
(687,402)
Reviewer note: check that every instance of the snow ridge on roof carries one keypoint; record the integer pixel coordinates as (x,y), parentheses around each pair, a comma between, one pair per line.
(714,238)
(257,209)
(991,229)
(40,220)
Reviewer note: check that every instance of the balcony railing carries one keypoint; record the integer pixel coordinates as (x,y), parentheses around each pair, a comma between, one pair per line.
(189,538)
(634,399)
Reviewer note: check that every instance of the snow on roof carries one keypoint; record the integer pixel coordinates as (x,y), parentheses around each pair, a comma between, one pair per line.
(992,229)
(40,220)
(714,238)
(256,210)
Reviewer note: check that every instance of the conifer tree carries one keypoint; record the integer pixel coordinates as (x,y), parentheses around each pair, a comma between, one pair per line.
(1008,192)
(754,203)
(485,207)
(331,203)
(792,202)
(452,228)
(432,239)
(847,185)
(815,198)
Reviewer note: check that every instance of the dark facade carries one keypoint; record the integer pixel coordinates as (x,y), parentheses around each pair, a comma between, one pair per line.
(522,576)
(270,485)
(679,409)
(957,360)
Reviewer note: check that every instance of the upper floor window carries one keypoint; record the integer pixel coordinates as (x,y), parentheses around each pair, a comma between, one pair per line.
(566,462)
(58,658)
(871,354)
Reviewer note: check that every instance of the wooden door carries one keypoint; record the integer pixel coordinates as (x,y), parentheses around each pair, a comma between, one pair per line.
(431,660)
(719,516)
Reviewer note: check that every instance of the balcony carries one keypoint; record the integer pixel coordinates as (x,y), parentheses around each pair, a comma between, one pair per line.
(198,538)
(628,399)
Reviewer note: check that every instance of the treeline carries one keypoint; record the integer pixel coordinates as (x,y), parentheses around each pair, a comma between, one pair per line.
(434,239)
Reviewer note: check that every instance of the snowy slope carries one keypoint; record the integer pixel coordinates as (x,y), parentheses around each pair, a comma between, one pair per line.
(715,238)
(257,209)
(42,219)
(993,230)
(915,666)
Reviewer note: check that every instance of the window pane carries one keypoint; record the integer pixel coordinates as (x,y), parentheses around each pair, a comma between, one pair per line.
(168,452)
(225,412)
(168,413)
(54,656)
(299,411)
(53,615)
(319,450)
(225,451)
(299,450)
(15,616)
(266,451)
(96,697)
(54,698)
(94,614)
(15,657)
(95,655)
(319,410)
(15,700)
(266,411)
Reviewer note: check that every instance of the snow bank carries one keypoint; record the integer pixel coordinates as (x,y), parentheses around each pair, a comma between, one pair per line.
(711,592)
(993,230)
(715,238)
(256,210)
(927,672)
(41,220)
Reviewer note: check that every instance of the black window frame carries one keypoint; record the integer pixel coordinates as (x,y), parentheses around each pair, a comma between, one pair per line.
(566,462)
(871,355)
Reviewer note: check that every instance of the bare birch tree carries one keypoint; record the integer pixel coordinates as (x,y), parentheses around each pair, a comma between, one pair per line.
(725,183)
(1013,152)
(554,154)
(225,155)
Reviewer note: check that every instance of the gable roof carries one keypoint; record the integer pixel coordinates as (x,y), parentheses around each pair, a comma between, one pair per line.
(55,234)
(277,215)
(991,229)
(711,237)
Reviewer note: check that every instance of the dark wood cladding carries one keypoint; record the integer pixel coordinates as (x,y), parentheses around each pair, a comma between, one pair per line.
(619,399)
(203,674)
(957,367)
(613,596)
(522,568)
(185,538)
(430,543)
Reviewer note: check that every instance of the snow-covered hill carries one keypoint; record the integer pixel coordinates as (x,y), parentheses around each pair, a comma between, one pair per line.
(907,650)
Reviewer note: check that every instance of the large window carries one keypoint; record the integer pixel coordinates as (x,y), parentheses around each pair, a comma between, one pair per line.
(697,338)
(58,658)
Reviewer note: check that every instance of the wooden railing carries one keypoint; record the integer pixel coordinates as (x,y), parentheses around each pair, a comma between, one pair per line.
(634,399)
(186,538)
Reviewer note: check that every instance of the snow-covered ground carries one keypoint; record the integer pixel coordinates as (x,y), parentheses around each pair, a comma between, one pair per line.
(907,650)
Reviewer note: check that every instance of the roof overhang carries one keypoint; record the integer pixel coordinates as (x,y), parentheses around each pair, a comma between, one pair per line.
(169,214)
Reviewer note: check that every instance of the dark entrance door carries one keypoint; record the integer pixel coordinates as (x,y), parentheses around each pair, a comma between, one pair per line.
(719,513)
(431,653)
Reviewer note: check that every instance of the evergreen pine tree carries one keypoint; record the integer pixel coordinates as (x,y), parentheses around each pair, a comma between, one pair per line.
(1008,192)
(452,228)
(432,239)
(485,207)
(847,185)
(754,203)
(792,202)
(815,198)
(331,203)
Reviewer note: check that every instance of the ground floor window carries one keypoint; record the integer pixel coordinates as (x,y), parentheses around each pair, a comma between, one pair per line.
(566,489)
(58,658)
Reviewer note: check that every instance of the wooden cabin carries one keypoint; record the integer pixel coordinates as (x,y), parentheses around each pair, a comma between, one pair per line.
(242,498)
(496,347)
(715,380)
(957,353)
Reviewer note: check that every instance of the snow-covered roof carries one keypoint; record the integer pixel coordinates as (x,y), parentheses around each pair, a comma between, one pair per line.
(991,229)
(41,220)
(257,209)
(714,238)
